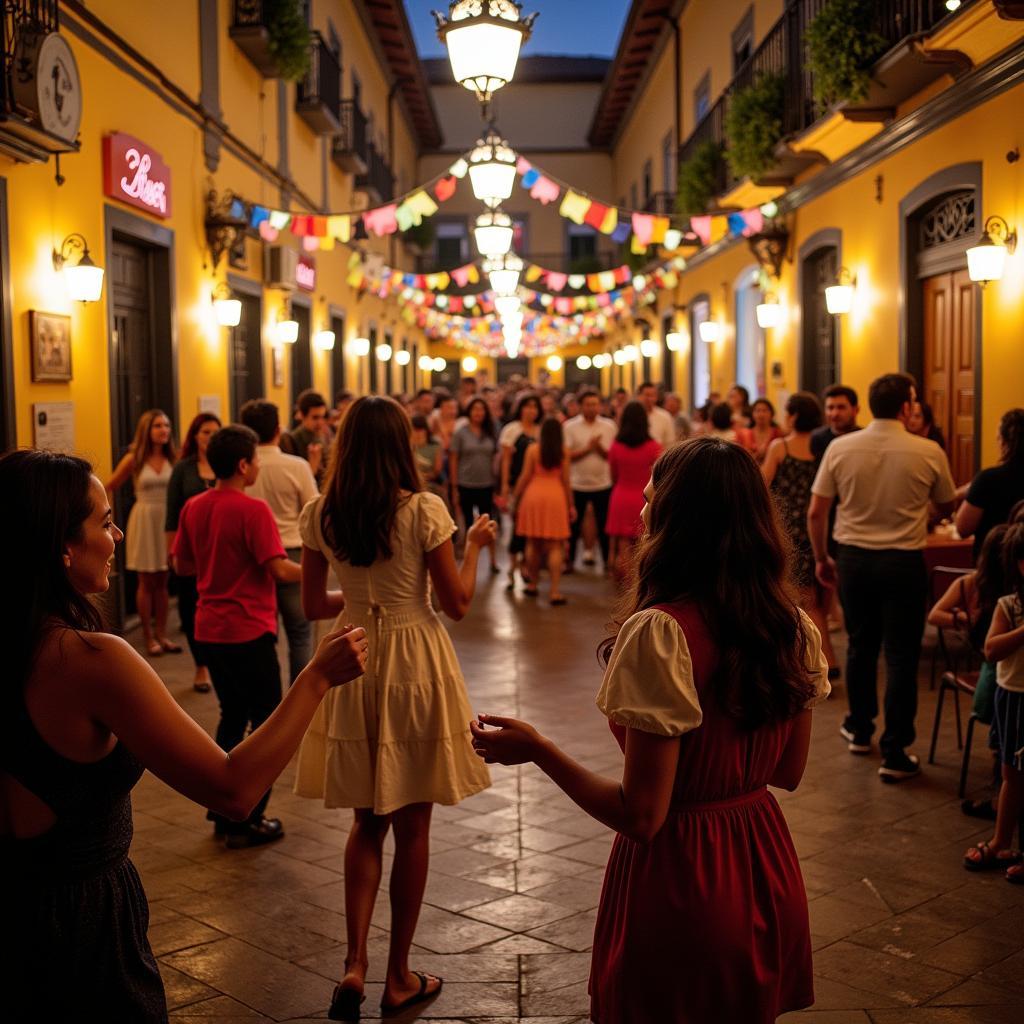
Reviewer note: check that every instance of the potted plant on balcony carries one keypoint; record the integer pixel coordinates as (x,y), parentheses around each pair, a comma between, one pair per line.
(842,45)
(699,179)
(753,126)
(290,40)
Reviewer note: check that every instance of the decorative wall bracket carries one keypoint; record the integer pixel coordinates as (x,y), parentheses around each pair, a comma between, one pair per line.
(223,225)
(770,248)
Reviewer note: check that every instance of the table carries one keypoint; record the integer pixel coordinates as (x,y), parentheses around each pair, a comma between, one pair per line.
(952,551)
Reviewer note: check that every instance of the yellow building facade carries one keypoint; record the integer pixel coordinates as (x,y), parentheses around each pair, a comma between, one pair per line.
(180,82)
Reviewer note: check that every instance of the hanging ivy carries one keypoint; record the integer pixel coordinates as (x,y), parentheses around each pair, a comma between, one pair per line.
(700,178)
(290,39)
(842,45)
(753,126)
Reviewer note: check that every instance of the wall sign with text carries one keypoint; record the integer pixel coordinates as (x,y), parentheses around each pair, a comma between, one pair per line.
(136,174)
(305,273)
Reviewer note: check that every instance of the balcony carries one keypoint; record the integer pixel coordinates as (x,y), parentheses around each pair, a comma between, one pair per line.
(318,97)
(661,203)
(811,134)
(249,29)
(350,150)
(377,183)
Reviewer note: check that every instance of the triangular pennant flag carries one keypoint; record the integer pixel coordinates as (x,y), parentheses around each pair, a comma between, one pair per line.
(523,165)
(623,275)
(611,219)
(238,210)
(318,226)
(280,219)
(258,216)
(574,207)
(737,224)
(701,227)
(577,281)
(594,282)
(310,243)
(636,247)
(405,217)
(339,226)
(268,232)
(461,276)
(459,169)
(302,225)
(533,273)
(474,274)
(673,238)
(421,204)
(530,178)
(326,243)
(607,280)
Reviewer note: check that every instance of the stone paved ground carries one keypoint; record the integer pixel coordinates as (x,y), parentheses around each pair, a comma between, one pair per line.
(901,932)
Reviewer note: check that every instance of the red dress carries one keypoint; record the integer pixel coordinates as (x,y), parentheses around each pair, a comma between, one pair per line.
(707,922)
(631,471)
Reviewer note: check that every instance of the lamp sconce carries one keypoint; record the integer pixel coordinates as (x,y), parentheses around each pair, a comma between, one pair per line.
(324,341)
(226,308)
(769,249)
(223,229)
(769,312)
(839,296)
(986,261)
(710,331)
(83,280)
(359,347)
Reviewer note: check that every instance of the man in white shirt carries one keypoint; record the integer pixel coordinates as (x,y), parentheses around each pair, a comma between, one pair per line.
(884,478)
(286,483)
(661,423)
(588,437)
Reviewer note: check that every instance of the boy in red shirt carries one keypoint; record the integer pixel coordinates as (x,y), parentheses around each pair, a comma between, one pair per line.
(230,542)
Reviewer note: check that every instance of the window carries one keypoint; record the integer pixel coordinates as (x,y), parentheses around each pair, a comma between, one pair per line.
(452,243)
(668,163)
(581,245)
(743,40)
(702,98)
(648,182)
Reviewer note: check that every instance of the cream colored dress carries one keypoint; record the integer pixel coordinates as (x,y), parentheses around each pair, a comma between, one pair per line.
(145,540)
(399,734)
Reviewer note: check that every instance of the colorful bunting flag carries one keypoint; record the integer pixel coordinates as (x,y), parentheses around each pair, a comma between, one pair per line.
(574,207)
(545,191)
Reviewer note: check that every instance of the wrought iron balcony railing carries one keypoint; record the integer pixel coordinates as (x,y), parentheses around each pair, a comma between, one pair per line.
(351,151)
(378,181)
(318,97)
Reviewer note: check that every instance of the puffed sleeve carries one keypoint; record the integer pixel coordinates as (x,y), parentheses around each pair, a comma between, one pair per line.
(434,523)
(309,525)
(649,681)
(816,663)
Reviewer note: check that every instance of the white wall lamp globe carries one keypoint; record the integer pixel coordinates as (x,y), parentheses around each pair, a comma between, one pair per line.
(619,357)
(710,331)
(359,346)
(384,353)
(503,273)
(554,364)
(986,261)
(602,361)
(648,348)
(674,341)
(630,353)
(493,233)
(483,39)
(439,365)
(769,312)
(492,169)
(470,364)
(83,280)
(403,357)
(286,332)
(584,363)
(425,363)
(324,341)
(839,296)
(227,310)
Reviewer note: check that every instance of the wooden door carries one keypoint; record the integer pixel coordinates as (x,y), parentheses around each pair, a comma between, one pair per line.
(818,362)
(247,355)
(301,354)
(949,365)
(338,382)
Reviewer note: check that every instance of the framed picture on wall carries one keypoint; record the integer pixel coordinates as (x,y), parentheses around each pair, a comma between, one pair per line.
(277,365)
(50,339)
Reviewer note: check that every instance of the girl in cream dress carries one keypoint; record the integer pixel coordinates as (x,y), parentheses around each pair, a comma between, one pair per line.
(396,741)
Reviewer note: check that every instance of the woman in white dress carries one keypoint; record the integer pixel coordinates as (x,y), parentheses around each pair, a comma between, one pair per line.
(396,741)
(148,465)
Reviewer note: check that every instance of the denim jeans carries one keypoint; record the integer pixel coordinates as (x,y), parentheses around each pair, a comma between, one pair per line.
(599,499)
(297,627)
(884,596)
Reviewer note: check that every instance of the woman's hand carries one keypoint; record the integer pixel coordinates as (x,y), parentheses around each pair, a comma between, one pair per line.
(573,514)
(483,532)
(341,655)
(509,742)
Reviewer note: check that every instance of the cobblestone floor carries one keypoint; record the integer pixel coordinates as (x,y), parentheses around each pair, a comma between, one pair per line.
(901,932)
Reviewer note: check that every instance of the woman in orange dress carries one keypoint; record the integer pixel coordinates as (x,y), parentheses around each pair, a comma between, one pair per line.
(545,507)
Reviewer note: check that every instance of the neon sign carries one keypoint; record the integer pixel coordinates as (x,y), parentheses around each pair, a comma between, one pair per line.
(305,273)
(135,174)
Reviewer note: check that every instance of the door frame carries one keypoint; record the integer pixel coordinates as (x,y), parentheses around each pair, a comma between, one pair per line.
(8,415)
(305,303)
(251,290)
(691,322)
(335,312)
(164,316)
(824,239)
(744,281)
(911,307)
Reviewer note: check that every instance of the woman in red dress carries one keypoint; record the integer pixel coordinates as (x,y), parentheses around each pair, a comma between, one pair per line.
(708,689)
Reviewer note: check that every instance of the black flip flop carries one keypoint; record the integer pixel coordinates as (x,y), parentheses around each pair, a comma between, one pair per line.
(421,997)
(345,1004)
(558,602)
(982,809)
(531,592)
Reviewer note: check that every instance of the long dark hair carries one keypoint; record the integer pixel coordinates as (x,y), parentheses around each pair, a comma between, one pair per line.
(990,575)
(487,427)
(552,444)
(714,539)
(634,428)
(371,464)
(1011,433)
(46,501)
(1013,555)
(190,446)
(527,398)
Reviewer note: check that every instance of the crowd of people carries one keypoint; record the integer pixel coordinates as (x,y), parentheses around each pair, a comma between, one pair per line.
(735,536)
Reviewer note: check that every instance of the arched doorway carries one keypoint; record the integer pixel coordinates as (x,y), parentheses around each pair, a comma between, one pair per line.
(820,260)
(750,354)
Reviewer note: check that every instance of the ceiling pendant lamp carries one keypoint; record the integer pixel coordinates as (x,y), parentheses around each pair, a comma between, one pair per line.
(503,273)
(493,233)
(492,169)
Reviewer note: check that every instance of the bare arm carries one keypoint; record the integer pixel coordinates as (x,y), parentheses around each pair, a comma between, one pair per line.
(636,807)
(284,570)
(790,769)
(121,475)
(529,464)
(949,612)
(771,461)
(317,601)
(506,467)
(115,686)
(1002,640)
(455,585)
(968,519)
(567,488)
(817,529)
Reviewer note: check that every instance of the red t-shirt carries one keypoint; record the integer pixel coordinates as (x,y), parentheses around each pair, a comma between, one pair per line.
(228,538)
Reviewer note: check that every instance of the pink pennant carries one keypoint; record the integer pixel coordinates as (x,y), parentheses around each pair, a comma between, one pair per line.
(545,191)
(381,221)
(461,275)
(563,305)
(701,227)
(523,165)
(643,227)
(754,219)
(557,281)
(268,232)
(310,243)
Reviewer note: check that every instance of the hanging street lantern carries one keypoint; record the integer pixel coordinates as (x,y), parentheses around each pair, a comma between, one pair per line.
(503,273)
(508,305)
(493,233)
(492,169)
(483,39)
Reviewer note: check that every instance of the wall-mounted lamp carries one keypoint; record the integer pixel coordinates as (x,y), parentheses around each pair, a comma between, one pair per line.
(359,347)
(402,357)
(324,341)
(648,348)
(710,331)
(839,296)
(769,312)
(674,341)
(986,261)
(439,365)
(584,363)
(383,353)
(470,364)
(630,353)
(554,364)
(425,363)
(226,309)
(286,332)
(83,280)
(619,357)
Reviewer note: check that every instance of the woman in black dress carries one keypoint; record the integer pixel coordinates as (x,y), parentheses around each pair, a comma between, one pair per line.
(81,716)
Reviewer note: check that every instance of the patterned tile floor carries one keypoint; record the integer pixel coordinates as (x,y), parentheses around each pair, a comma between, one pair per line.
(901,932)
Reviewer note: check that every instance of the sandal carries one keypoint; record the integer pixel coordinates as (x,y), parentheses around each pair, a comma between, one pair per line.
(1015,876)
(345,1004)
(170,646)
(201,686)
(990,859)
(420,997)
(558,602)
(531,592)
(154,650)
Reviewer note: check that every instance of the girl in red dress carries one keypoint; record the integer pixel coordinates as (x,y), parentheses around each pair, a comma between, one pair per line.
(708,689)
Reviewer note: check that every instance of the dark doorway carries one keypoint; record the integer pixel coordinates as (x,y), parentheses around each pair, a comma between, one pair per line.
(819,351)
(8,430)
(385,367)
(668,357)
(575,378)
(508,368)
(246,354)
(374,362)
(338,382)
(302,357)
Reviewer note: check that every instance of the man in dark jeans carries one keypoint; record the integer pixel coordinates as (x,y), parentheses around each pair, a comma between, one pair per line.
(884,478)
(230,543)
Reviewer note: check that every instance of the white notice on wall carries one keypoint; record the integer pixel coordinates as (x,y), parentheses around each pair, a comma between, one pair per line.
(53,426)
(211,404)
